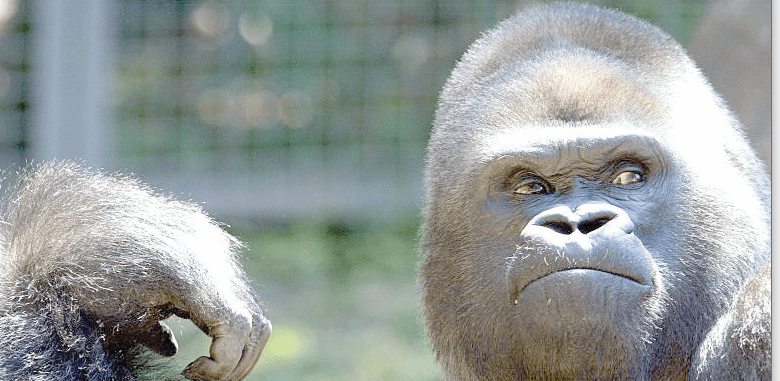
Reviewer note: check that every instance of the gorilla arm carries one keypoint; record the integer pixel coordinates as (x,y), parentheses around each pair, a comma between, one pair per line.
(129,258)
(741,340)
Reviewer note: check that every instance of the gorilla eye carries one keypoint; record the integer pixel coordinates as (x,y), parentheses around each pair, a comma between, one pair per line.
(531,185)
(628,177)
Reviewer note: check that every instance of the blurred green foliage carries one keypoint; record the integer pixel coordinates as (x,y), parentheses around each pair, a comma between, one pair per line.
(342,297)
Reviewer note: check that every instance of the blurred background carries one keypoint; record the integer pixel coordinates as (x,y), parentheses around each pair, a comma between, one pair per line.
(302,125)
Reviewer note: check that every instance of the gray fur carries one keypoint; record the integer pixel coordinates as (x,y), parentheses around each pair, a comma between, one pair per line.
(739,346)
(90,265)
(562,78)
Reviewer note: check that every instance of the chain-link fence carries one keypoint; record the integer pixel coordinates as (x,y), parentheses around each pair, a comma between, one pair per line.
(281,108)
(14,83)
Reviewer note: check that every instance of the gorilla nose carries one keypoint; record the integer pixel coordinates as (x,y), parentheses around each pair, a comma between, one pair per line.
(588,226)
(565,226)
(586,219)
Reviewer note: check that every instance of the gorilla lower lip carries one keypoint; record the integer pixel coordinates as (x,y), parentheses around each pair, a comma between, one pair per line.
(590,287)
(555,281)
(602,271)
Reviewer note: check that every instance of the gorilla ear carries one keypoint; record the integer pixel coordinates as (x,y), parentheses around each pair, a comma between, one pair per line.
(741,339)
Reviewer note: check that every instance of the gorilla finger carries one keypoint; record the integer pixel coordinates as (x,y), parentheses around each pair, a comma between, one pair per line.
(227,347)
(261,331)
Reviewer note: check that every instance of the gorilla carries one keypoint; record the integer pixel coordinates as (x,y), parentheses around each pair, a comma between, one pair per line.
(91,263)
(593,211)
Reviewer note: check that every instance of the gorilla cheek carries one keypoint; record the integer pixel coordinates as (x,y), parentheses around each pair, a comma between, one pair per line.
(581,271)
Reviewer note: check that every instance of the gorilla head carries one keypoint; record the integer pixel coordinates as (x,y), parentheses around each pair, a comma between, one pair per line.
(592,206)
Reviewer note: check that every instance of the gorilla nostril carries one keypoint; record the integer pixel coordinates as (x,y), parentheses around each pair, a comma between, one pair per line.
(588,226)
(561,227)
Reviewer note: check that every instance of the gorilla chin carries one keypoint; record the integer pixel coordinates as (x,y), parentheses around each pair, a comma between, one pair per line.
(594,322)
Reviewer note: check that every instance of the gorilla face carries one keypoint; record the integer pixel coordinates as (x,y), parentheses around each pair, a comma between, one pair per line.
(570,226)
(581,274)
(591,206)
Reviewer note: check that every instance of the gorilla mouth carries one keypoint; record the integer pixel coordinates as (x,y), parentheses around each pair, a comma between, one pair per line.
(594,275)
(613,262)
(632,277)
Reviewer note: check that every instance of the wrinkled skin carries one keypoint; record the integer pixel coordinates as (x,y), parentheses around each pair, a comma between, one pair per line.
(592,207)
(92,264)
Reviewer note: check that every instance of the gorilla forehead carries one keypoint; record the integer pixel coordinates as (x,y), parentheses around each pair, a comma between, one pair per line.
(586,145)
(567,86)
(562,76)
